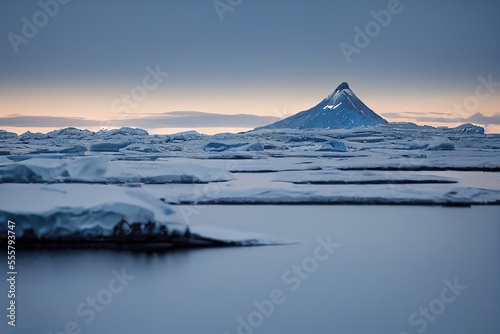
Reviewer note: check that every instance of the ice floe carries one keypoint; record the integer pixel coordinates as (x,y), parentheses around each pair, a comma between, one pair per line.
(75,215)
(99,170)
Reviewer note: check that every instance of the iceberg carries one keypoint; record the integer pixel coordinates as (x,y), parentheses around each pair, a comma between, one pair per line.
(109,146)
(100,170)
(441,146)
(84,211)
(360,177)
(106,216)
(333,146)
(39,170)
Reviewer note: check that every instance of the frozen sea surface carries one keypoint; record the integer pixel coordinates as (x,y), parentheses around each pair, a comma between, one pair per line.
(389,164)
(353,269)
(389,261)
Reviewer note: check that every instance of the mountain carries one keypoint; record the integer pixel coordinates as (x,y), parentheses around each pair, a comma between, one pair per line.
(340,110)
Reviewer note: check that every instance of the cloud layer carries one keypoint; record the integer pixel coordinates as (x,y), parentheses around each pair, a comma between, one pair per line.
(477,118)
(174,119)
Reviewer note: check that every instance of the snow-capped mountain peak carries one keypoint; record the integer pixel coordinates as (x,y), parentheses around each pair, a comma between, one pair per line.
(342,109)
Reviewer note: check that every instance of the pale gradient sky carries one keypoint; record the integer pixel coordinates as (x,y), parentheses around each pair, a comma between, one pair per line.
(268,58)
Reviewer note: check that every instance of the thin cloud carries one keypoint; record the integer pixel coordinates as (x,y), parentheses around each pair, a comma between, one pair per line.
(196,119)
(426,113)
(175,119)
(414,114)
(46,121)
(477,118)
(396,115)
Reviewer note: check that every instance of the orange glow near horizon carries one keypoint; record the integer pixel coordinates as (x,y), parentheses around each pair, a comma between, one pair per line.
(97,105)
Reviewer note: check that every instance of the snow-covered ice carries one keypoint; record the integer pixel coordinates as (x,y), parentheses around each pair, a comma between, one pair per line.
(66,181)
(78,213)
(100,170)
(76,210)
(361,177)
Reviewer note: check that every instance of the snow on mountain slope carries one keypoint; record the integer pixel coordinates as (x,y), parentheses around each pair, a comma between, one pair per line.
(340,110)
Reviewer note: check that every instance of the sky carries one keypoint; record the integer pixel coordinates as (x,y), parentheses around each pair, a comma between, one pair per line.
(232,65)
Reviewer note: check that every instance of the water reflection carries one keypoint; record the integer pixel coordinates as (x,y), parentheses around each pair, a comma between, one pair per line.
(392,261)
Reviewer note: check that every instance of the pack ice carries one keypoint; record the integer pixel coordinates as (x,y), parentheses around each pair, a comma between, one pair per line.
(123,185)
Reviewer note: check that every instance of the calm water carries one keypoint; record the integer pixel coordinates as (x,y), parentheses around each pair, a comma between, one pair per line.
(391,261)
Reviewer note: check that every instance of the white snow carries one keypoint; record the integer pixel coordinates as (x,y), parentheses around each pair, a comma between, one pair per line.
(111,213)
(45,170)
(286,193)
(331,107)
(163,172)
(99,170)
(441,146)
(59,210)
(359,177)
(376,165)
